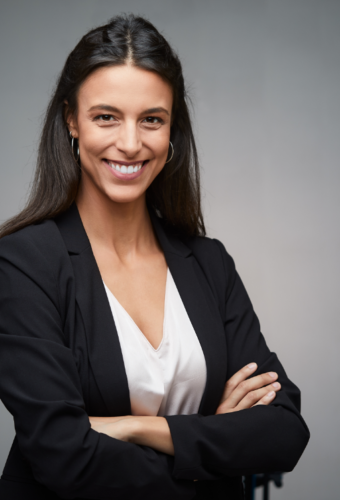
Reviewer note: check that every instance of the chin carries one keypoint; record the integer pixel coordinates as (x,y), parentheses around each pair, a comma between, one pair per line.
(126,197)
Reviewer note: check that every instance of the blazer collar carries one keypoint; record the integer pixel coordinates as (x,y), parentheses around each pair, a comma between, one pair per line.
(104,349)
(76,239)
(169,241)
(72,230)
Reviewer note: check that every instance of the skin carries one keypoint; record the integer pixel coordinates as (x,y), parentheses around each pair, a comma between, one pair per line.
(124,114)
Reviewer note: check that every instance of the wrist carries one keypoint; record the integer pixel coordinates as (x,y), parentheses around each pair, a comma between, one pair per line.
(153,432)
(134,427)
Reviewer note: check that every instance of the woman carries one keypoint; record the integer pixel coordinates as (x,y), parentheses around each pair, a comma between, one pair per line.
(130,355)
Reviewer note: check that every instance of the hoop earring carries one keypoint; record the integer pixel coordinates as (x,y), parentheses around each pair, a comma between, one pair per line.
(172,152)
(72,147)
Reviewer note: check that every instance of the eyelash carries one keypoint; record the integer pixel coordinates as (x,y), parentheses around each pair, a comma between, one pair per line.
(154,118)
(99,118)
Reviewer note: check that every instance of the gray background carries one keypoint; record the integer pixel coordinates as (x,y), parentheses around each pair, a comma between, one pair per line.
(264,77)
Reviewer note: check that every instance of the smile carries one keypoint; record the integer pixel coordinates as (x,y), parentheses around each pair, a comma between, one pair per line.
(128,170)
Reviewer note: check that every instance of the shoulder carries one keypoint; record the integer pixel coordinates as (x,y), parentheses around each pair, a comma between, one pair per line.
(211,253)
(216,263)
(38,246)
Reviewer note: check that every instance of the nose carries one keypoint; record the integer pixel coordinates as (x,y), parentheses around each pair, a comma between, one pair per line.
(128,140)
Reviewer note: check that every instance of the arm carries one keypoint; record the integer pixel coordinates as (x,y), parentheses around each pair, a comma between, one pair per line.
(40,386)
(152,431)
(259,439)
(146,431)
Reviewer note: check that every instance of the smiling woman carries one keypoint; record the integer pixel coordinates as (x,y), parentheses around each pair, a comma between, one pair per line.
(130,355)
(125,47)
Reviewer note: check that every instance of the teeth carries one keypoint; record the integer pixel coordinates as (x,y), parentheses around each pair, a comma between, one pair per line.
(124,169)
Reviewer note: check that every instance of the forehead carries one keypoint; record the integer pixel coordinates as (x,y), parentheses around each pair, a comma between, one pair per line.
(126,87)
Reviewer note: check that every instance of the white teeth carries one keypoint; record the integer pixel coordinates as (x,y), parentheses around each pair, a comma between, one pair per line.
(115,167)
(124,169)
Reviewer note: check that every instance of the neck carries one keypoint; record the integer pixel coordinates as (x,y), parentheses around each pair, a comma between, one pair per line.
(124,228)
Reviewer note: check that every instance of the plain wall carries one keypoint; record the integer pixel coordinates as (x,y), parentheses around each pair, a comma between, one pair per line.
(264,77)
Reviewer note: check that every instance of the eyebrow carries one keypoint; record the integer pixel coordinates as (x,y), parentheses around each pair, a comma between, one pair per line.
(113,109)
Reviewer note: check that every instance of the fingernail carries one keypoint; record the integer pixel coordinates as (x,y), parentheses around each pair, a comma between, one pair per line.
(272,374)
(251,366)
(276,384)
(270,394)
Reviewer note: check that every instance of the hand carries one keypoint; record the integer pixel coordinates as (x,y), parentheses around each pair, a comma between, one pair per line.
(241,394)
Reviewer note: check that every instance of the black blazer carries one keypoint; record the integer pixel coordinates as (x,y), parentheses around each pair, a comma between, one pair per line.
(60,361)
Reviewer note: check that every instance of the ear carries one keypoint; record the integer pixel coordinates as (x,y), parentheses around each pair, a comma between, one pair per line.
(70,120)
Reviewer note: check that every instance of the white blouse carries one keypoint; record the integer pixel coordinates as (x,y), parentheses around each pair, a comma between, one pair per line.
(169,380)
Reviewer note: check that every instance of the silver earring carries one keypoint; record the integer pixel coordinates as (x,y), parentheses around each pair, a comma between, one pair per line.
(172,153)
(72,147)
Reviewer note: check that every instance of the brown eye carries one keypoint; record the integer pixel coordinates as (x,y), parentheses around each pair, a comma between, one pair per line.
(153,120)
(104,118)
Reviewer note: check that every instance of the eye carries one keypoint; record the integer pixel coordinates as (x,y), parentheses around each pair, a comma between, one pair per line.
(104,118)
(153,120)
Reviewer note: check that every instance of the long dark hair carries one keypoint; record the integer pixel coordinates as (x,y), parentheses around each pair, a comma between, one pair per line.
(175,192)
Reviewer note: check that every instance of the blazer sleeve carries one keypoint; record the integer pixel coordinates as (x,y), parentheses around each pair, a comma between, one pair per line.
(256,440)
(40,387)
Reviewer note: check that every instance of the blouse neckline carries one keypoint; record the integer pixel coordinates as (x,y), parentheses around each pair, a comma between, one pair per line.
(135,326)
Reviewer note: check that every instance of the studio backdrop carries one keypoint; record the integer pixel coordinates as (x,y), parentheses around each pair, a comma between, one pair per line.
(264,80)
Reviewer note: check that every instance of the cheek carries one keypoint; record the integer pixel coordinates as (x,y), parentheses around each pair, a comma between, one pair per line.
(91,142)
(161,146)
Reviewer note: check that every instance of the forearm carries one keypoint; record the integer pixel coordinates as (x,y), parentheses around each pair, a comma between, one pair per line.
(146,431)
(153,432)
(260,439)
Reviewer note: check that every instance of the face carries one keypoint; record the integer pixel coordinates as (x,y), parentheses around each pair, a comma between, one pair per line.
(123,128)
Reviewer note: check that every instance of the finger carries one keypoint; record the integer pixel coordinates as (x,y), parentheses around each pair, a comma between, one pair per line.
(267,399)
(236,379)
(253,397)
(249,400)
(250,385)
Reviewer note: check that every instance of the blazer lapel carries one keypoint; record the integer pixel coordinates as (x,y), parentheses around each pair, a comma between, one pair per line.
(202,311)
(103,344)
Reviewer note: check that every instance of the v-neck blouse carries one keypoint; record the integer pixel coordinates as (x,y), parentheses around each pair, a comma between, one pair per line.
(169,380)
